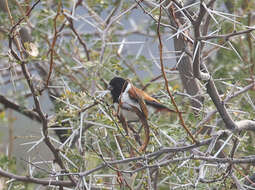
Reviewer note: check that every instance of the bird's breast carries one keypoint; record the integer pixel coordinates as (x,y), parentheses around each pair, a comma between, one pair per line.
(125,108)
(126,105)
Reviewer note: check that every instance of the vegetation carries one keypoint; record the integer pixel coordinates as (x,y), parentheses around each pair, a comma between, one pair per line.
(196,57)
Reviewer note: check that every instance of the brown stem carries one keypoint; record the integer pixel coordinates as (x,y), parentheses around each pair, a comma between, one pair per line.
(35,94)
(166,81)
(70,20)
(53,44)
(12,105)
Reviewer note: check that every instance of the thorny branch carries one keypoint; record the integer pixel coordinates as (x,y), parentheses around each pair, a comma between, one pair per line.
(226,36)
(27,14)
(210,85)
(12,105)
(29,179)
(70,20)
(37,103)
(166,81)
(166,149)
(53,44)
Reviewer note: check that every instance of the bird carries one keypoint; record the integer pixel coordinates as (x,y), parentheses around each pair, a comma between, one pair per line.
(126,97)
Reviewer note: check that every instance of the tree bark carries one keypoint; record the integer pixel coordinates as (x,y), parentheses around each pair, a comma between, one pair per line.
(181,44)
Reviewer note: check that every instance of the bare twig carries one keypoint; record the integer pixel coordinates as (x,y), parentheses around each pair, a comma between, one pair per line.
(53,44)
(166,81)
(27,14)
(70,20)
(226,36)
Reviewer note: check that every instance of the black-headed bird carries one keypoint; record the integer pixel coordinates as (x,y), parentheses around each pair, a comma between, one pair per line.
(126,97)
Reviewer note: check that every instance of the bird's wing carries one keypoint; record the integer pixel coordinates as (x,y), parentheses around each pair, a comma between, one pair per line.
(138,96)
(134,92)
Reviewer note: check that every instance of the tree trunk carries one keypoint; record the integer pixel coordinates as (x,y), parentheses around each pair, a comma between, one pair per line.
(181,44)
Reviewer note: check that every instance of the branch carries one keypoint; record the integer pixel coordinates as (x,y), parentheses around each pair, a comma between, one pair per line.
(56,31)
(226,36)
(220,105)
(247,125)
(184,66)
(27,14)
(197,46)
(165,150)
(44,120)
(211,113)
(70,20)
(210,86)
(156,21)
(185,12)
(38,108)
(244,160)
(165,78)
(10,104)
(35,180)
(237,182)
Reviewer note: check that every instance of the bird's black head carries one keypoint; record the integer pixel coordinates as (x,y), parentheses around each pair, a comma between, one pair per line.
(116,86)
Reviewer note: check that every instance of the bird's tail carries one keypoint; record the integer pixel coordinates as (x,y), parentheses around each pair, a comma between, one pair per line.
(161,108)
(166,109)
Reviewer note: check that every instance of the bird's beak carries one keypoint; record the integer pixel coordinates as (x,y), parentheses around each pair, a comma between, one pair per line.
(110,88)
